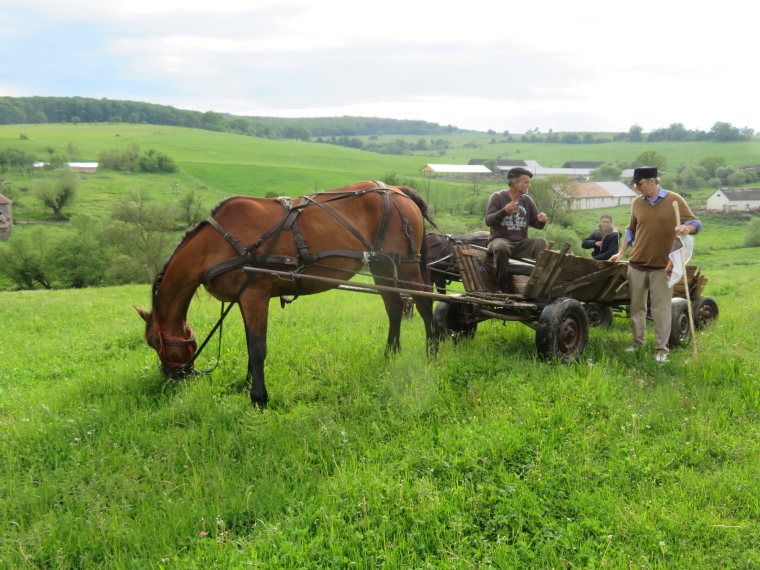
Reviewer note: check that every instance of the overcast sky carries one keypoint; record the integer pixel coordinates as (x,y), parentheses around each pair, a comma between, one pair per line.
(588,66)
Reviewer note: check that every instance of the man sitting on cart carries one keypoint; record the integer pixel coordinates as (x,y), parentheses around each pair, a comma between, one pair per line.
(509,214)
(605,240)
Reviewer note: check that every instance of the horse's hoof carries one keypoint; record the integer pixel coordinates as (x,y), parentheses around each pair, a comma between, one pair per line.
(259,402)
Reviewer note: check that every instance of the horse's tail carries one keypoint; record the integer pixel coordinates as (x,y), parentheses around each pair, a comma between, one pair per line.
(417,198)
(420,202)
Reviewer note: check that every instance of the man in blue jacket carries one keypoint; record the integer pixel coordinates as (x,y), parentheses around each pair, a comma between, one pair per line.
(605,239)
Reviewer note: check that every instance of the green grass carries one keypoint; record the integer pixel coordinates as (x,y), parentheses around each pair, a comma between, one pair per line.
(481,457)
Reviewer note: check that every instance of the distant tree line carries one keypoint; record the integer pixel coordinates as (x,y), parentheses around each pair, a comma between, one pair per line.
(40,110)
(397,147)
(720,132)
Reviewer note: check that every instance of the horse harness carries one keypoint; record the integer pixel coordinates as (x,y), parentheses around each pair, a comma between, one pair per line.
(246,257)
(372,253)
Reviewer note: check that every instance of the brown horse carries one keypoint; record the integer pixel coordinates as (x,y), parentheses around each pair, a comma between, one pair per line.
(329,234)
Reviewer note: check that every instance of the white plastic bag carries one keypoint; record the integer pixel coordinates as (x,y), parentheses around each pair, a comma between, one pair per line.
(680,255)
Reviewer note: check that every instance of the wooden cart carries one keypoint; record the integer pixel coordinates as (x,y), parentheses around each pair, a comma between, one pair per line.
(561,298)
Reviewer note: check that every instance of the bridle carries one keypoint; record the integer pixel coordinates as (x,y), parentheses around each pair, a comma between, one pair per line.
(165,340)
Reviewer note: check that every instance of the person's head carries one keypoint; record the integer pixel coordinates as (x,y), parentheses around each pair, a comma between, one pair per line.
(605,222)
(645,181)
(518,179)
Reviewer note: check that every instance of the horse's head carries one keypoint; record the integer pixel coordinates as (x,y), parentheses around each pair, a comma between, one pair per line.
(176,354)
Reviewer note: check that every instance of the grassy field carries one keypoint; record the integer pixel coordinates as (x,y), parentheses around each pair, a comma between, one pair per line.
(482,457)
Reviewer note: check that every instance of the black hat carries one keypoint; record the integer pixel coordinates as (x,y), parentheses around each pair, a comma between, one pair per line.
(644,173)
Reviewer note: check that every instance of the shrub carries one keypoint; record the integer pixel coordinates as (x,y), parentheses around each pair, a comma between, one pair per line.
(752,233)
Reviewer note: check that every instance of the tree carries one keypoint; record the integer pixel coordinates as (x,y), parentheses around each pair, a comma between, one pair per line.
(752,235)
(723,172)
(693,177)
(191,206)
(213,121)
(606,172)
(712,163)
(634,133)
(81,259)
(652,158)
(58,189)
(141,232)
(552,196)
(737,178)
(725,132)
(492,164)
(22,260)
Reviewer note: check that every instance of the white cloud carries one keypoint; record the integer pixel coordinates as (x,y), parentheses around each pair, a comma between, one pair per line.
(548,64)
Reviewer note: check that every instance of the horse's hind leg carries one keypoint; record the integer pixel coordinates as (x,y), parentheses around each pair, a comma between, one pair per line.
(424,307)
(394,306)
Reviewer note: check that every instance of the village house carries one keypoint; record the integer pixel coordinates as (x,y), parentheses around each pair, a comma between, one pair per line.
(597,195)
(576,170)
(83,167)
(734,200)
(6,217)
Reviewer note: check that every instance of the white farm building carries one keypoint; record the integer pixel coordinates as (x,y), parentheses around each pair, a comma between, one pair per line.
(734,199)
(595,195)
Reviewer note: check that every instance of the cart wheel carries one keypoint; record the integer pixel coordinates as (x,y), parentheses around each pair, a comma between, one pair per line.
(599,315)
(450,322)
(679,324)
(705,310)
(562,331)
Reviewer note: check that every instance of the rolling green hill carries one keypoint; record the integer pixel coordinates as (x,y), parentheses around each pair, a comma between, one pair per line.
(217,165)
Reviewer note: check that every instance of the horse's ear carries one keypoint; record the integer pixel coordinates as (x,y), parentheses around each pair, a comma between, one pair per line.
(146,316)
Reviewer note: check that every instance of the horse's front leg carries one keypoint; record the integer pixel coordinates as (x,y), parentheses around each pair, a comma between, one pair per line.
(255,311)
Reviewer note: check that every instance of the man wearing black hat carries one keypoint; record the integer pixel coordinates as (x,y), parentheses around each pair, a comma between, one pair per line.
(509,214)
(653,228)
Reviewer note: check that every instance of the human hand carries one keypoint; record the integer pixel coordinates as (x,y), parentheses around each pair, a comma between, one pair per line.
(598,244)
(511,208)
(683,230)
(615,258)
(543,217)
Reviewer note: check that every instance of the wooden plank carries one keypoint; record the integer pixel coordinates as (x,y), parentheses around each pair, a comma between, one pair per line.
(597,277)
(545,273)
(474,271)
(465,268)
(605,293)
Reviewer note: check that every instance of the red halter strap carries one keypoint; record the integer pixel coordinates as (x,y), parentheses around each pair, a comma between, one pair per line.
(165,340)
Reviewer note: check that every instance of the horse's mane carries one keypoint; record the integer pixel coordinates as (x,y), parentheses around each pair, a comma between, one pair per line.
(190,232)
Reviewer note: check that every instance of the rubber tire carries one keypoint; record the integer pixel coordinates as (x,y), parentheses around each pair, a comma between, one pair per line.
(680,331)
(598,315)
(562,331)
(448,322)
(705,310)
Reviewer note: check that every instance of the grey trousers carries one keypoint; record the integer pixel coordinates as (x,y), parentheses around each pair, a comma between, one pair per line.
(656,283)
(503,249)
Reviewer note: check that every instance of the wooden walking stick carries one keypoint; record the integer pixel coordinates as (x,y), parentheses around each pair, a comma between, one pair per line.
(686,287)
